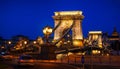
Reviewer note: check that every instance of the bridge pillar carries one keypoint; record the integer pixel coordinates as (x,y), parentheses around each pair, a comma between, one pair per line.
(96,36)
(67,18)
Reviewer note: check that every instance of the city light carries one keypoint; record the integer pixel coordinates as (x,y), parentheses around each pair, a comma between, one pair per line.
(25,42)
(77,43)
(95,51)
(9,42)
(47,30)
(34,42)
(2,47)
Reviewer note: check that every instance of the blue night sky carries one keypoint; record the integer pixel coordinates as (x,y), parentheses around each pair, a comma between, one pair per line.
(29,17)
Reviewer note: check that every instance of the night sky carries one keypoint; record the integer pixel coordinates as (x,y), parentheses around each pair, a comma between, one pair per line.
(29,17)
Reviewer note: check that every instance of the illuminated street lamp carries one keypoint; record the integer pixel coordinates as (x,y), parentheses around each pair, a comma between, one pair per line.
(8,45)
(25,42)
(47,31)
(9,42)
(34,42)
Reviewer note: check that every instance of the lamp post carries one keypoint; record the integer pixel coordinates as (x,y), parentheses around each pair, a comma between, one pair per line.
(25,42)
(47,31)
(8,46)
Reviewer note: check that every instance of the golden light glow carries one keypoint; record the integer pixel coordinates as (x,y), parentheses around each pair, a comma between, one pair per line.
(100,45)
(59,56)
(25,42)
(77,43)
(70,53)
(66,24)
(17,48)
(95,52)
(83,53)
(9,42)
(95,32)
(80,53)
(107,54)
(68,13)
(2,47)
(21,44)
(34,42)
(47,30)
(68,41)
(59,43)
(95,37)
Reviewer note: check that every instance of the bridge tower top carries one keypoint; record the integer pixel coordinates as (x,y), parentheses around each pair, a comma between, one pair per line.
(68,15)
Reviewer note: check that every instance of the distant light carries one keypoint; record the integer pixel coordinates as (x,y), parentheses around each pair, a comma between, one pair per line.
(34,42)
(70,53)
(59,56)
(2,47)
(9,42)
(95,51)
(95,32)
(25,42)
(68,35)
(77,43)
(20,44)
(68,41)
(107,54)
(98,51)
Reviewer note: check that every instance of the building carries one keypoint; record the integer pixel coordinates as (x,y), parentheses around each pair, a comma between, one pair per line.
(115,40)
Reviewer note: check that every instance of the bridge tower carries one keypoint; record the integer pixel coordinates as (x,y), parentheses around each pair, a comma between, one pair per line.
(66,19)
(96,36)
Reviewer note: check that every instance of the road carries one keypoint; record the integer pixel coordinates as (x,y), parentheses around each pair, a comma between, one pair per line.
(39,65)
(46,66)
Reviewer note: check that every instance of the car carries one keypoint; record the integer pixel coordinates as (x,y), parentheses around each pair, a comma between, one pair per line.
(26,60)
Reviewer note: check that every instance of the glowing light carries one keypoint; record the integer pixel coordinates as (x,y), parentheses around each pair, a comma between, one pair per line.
(107,54)
(83,53)
(95,32)
(68,13)
(25,42)
(47,30)
(34,42)
(70,53)
(31,60)
(17,48)
(59,56)
(95,51)
(9,42)
(2,47)
(77,43)
(99,52)
(20,44)
(68,41)
(14,47)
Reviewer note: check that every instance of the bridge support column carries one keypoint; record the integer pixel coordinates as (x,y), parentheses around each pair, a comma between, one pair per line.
(67,18)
